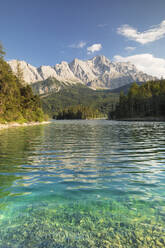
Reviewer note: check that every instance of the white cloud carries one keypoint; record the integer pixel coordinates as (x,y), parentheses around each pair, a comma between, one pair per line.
(80,44)
(145,62)
(94,48)
(155,33)
(129,48)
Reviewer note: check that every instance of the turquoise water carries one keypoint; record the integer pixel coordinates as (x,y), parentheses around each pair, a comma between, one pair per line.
(83,184)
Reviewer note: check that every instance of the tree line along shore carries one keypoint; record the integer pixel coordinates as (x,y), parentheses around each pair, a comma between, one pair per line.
(18,103)
(142,102)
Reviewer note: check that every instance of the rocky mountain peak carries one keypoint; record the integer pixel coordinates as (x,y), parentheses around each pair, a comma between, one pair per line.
(100,59)
(98,72)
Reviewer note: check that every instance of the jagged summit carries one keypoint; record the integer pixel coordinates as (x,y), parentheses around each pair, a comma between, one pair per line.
(98,72)
(100,59)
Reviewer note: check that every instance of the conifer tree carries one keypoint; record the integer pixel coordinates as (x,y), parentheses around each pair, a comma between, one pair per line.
(2,52)
(19,74)
(17,102)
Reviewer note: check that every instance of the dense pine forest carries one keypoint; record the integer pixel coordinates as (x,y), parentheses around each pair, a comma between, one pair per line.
(80,96)
(79,112)
(146,100)
(17,101)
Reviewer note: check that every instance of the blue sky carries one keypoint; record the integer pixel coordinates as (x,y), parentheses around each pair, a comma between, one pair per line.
(50,31)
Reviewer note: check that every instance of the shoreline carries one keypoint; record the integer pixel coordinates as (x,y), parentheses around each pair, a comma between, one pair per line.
(26,124)
(142,119)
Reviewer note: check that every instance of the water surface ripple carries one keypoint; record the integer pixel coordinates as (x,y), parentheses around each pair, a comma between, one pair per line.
(83,184)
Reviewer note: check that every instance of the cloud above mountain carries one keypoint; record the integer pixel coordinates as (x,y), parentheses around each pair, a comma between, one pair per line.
(94,48)
(80,44)
(145,62)
(129,48)
(154,33)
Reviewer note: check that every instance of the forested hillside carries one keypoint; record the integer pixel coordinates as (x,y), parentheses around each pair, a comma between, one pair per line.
(145,100)
(17,101)
(79,112)
(76,95)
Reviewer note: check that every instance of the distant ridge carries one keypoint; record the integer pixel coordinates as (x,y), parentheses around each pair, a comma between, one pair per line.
(97,73)
(124,88)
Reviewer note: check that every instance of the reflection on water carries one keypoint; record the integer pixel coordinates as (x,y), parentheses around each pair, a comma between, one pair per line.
(83,184)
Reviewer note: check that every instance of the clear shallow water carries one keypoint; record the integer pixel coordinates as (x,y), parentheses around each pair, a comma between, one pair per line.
(83,184)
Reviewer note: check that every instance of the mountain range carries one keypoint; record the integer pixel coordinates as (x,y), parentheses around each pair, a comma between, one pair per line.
(96,73)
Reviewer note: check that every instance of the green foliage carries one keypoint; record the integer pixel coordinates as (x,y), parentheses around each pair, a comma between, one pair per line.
(17,102)
(79,112)
(147,99)
(79,94)
(1,51)
(19,74)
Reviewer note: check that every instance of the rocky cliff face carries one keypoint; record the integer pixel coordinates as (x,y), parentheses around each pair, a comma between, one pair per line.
(98,72)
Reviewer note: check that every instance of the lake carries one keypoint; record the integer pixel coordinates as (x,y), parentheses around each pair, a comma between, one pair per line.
(93,183)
